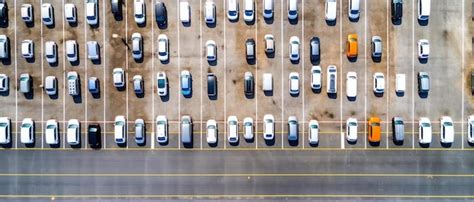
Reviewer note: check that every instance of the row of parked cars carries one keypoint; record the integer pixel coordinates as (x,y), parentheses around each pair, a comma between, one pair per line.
(73,130)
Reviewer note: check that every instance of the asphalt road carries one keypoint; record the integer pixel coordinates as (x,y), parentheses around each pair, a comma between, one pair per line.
(248,175)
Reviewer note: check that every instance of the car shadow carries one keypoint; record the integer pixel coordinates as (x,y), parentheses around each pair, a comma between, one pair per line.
(7,146)
(316,91)
(352,59)
(7,92)
(212,63)
(351,142)
(378,94)
(251,140)
(188,145)
(374,144)
(293,143)
(400,94)
(314,144)
(332,95)
(268,93)
(293,21)
(269,21)
(351,99)
(427,145)
(354,19)
(423,60)
(423,95)
(398,143)
(396,21)
(270,142)
(331,22)
(446,145)
(423,22)
(376,59)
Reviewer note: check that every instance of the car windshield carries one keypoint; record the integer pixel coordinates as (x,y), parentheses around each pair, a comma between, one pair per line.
(3,124)
(267,11)
(136,52)
(51,127)
(248,12)
(376,124)
(72,126)
(354,12)
(119,123)
(71,77)
(248,124)
(269,121)
(294,78)
(448,124)
(139,15)
(26,125)
(352,124)
(316,71)
(232,13)
(314,126)
(161,83)
(292,12)
(425,125)
(233,123)
(399,122)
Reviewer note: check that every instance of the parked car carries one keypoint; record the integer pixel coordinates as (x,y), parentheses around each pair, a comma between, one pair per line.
(161,129)
(268,127)
(376,47)
(268,9)
(233,10)
(161,14)
(93,85)
(4,83)
(447,130)
(269,44)
(5,130)
(26,13)
(423,49)
(249,84)
(163,52)
(374,129)
(294,49)
(140,135)
(70,13)
(211,51)
(248,128)
(52,132)
(351,46)
(332,80)
(4,47)
(267,85)
(292,9)
(316,78)
(93,52)
(351,130)
(424,7)
(27,131)
(400,83)
(137,46)
(73,132)
(25,83)
(211,85)
(47,14)
(249,10)
(92,13)
(139,11)
(162,83)
(186,83)
(116,7)
(27,49)
(423,83)
(118,77)
(210,12)
(211,135)
(398,129)
(120,130)
(233,131)
(138,84)
(330,10)
(51,52)
(184,12)
(294,83)
(250,49)
(315,50)
(71,50)
(186,130)
(292,129)
(351,85)
(397,9)
(379,82)
(313,130)
(51,85)
(94,135)
(424,131)
(73,83)
(470,129)
(353,11)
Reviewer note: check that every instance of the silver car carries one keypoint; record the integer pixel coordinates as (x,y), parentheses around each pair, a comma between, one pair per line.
(292,129)
(140,131)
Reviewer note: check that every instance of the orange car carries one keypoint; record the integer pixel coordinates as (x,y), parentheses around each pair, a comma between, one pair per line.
(374,130)
(351,46)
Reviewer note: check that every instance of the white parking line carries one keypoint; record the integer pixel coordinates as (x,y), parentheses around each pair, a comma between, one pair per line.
(200,34)
(282,98)
(256,81)
(85,73)
(126,65)
(413,76)
(388,74)
(105,76)
(225,78)
(179,73)
(42,72)
(152,76)
(302,68)
(462,72)
(16,79)
(365,77)
(64,86)
(340,69)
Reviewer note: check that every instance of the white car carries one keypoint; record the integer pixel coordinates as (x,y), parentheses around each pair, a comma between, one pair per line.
(331,10)
(248,128)
(423,49)
(4,83)
(210,12)
(379,82)
(47,14)
(424,130)
(93,51)
(27,13)
(211,50)
(294,49)
(73,132)
(233,132)
(447,130)
(249,10)
(162,83)
(119,77)
(51,132)
(313,129)
(92,14)
(294,83)
(120,130)
(353,11)
(424,7)
(233,9)
(211,135)
(137,46)
(51,52)
(331,79)
(161,129)
(139,11)
(292,9)
(27,48)
(268,127)
(5,130)
(27,131)
(51,85)
(470,129)
(351,130)
(70,13)
(268,9)
(163,52)
(351,84)
(316,77)
(71,50)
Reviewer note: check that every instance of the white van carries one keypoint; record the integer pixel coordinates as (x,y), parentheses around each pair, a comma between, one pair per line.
(71,50)
(424,7)
(73,83)
(292,9)
(47,14)
(73,132)
(210,12)
(93,50)
(70,13)
(267,82)
(400,83)
(268,9)
(353,11)
(120,130)
(91,12)
(184,12)
(5,130)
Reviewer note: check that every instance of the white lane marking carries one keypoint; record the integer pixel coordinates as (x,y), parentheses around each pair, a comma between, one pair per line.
(42,72)
(342,141)
(126,66)
(413,76)
(16,79)
(225,78)
(179,72)
(302,69)
(104,68)
(388,76)
(85,73)
(256,81)
(64,84)
(340,68)
(365,77)
(282,98)
(462,72)
(200,34)
(152,76)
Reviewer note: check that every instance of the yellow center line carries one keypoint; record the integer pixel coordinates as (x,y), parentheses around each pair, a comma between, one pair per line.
(430,175)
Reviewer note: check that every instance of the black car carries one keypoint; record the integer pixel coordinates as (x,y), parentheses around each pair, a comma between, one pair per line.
(248,84)
(250,49)
(161,13)
(3,12)
(93,134)
(472,82)
(397,9)
(315,50)
(211,85)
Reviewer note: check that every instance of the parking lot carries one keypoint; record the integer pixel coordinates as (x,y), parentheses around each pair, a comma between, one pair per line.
(448,67)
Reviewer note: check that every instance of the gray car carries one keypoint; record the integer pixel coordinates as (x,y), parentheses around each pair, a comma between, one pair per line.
(376,47)
(423,83)
(186,130)
(292,129)
(398,127)
(139,131)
